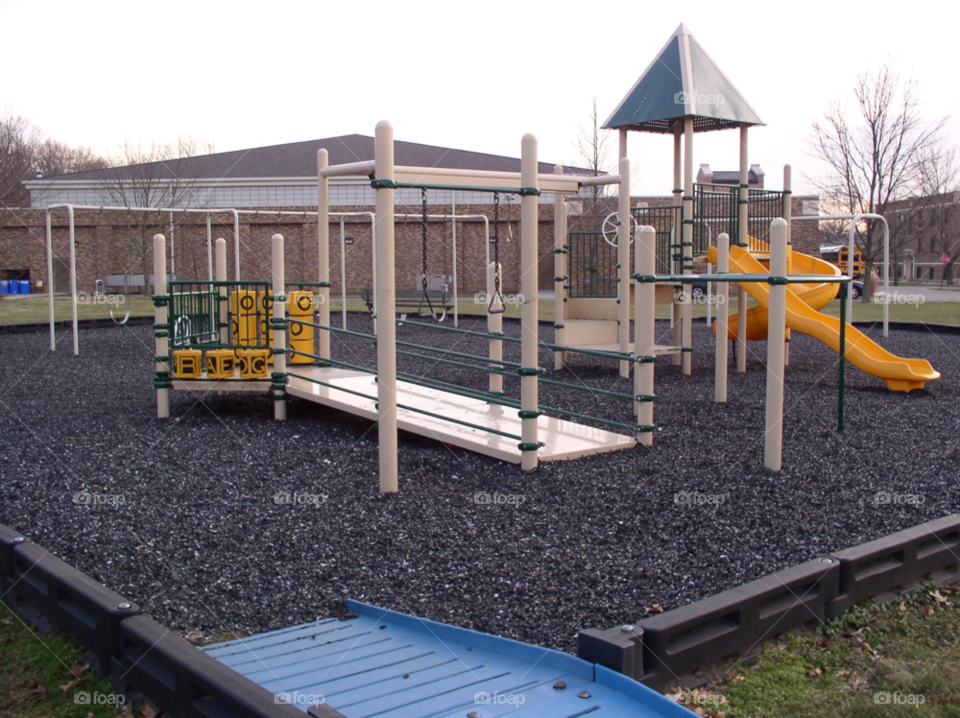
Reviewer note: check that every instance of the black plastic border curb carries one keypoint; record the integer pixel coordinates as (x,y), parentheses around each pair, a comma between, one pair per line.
(658,650)
(137,653)
(895,561)
(185,681)
(69,600)
(66,324)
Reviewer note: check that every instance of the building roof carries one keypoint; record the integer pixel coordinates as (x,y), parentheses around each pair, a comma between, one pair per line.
(682,81)
(733,176)
(299,159)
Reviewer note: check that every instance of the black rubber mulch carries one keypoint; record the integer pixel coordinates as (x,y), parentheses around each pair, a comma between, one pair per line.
(185,520)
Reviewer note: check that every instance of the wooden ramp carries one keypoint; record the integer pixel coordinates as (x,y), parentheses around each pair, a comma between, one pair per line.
(351,391)
(391,665)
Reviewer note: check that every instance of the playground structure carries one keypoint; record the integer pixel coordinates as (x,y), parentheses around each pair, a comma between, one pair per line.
(704,221)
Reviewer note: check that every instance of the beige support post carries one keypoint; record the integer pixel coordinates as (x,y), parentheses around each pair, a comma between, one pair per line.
(788,215)
(677,237)
(73,279)
(494,326)
(386,308)
(743,238)
(160,318)
(560,266)
(686,251)
(645,263)
(222,277)
(723,298)
(279,334)
(623,265)
(529,325)
(323,254)
(50,287)
(777,318)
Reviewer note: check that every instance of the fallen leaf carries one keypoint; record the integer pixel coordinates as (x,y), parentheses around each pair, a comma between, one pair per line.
(927,610)
(739,677)
(37,693)
(903,607)
(858,643)
(147,711)
(815,672)
(939,597)
(71,685)
(655,608)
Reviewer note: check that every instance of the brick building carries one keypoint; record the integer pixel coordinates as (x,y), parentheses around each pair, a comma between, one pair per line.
(280,178)
(923,232)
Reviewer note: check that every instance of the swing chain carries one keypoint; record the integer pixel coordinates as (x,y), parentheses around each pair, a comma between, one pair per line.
(496,259)
(423,223)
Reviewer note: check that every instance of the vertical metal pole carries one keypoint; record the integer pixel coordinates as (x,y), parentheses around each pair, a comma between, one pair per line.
(209,248)
(529,325)
(222,303)
(160,317)
(743,239)
(623,264)
(373,245)
(677,237)
(323,251)
(494,326)
(843,354)
(453,241)
(236,243)
(173,248)
(777,316)
(386,296)
(73,280)
(686,250)
(788,216)
(886,279)
(50,287)
(851,246)
(559,272)
(343,272)
(645,264)
(279,332)
(723,298)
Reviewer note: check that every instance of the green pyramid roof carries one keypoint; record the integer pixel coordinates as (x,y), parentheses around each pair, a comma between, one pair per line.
(682,81)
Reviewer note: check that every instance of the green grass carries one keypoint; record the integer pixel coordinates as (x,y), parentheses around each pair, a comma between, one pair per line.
(907,648)
(41,676)
(29,310)
(34,309)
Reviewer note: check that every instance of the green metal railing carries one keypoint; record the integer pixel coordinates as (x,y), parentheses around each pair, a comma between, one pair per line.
(194,315)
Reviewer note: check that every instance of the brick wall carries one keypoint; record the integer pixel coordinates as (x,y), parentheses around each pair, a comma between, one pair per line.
(107,244)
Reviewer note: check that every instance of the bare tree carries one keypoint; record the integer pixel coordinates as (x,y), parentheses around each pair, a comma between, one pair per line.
(873,153)
(153,176)
(18,141)
(593,149)
(52,157)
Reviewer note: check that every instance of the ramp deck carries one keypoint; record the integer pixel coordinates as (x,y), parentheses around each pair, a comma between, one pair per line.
(354,392)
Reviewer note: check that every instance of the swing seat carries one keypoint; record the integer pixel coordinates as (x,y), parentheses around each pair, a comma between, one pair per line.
(440,299)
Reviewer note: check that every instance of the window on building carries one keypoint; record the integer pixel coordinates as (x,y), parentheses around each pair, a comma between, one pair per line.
(919,245)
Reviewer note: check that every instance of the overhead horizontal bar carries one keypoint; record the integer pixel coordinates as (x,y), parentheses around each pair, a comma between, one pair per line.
(447,177)
(351,168)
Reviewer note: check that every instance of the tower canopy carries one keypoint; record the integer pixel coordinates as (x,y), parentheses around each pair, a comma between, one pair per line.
(682,81)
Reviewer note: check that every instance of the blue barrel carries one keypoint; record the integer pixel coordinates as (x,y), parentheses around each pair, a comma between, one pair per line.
(4,286)
(14,286)
(24,286)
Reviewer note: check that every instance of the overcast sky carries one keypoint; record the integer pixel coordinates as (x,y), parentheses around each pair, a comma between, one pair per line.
(473,76)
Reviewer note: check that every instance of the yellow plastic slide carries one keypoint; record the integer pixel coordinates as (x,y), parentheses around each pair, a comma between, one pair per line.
(899,373)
